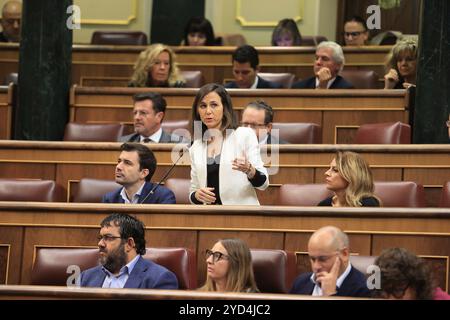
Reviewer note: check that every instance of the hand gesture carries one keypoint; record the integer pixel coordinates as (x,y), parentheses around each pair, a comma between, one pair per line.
(242,164)
(324,75)
(390,79)
(328,280)
(205,195)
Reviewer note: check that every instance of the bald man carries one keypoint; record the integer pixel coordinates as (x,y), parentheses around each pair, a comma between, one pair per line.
(333,275)
(11,18)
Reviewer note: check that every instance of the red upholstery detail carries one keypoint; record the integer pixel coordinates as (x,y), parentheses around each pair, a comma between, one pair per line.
(361,79)
(30,190)
(298,132)
(445,196)
(93,190)
(274,269)
(130,38)
(194,79)
(180,261)
(50,265)
(106,132)
(384,133)
(400,194)
(302,194)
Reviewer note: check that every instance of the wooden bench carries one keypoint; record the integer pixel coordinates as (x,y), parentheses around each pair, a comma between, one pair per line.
(338,112)
(26,226)
(6,103)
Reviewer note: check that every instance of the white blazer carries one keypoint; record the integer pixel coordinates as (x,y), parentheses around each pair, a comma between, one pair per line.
(234,186)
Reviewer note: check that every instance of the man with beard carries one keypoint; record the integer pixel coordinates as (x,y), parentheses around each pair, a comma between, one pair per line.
(148,113)
(135,167)
(10,21)
(121,246)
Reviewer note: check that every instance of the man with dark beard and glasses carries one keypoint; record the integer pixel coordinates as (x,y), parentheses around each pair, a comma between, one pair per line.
(121,246)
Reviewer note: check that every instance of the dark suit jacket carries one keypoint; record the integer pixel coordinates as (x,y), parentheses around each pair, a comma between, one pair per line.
(365,202)
(3,38)
(262,84)
(280,141)
(165,138)
(354,285)
(160,195)
(145,275)
(310,83)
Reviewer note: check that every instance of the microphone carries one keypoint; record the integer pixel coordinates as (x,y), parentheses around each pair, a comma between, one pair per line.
(181,154)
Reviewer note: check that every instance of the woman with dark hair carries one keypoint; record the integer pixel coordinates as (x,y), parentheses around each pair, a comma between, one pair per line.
(351,181)
(286,34)
(229,267)
(226,164)
(401,65)
(199,32)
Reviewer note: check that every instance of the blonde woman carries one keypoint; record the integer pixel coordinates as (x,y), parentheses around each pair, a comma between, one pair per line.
(229,267)
(156,67)
(401,65)
(350,178)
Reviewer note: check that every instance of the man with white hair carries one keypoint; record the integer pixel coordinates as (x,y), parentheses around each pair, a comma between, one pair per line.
(332,273)
(329,62)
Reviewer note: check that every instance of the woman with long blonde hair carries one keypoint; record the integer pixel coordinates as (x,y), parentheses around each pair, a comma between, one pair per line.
(351,181)
(157,67)
(229,267)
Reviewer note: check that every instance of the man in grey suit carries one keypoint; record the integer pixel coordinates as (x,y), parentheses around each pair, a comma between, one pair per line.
(148,114)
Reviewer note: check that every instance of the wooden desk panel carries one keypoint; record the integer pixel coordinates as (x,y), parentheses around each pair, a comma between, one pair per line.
(68,162)
(334,110)
(424,231)
(215,62)
(6,102)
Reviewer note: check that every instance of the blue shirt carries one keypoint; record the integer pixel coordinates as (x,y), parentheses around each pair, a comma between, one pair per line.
(112,281)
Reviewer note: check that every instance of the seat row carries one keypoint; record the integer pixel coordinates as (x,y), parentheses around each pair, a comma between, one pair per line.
(293,132)
(392,194)
(360,79)
(275,270)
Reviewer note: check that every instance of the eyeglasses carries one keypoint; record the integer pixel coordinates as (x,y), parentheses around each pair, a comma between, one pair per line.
(217,256)
(107,237)
(353,34)
(253,125)
(323,259)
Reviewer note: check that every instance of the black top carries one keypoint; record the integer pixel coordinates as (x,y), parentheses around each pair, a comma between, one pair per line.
(365,202)
(212,180)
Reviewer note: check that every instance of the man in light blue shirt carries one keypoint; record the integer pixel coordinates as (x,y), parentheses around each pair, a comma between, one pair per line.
(121,246)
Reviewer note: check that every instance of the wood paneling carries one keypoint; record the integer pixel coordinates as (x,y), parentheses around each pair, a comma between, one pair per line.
(330,109)
(424,231)
(71,161)
(6,103)
(91,62)
(11,252)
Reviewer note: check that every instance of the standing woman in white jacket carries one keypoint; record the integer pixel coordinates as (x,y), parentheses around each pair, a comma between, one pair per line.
(226,164)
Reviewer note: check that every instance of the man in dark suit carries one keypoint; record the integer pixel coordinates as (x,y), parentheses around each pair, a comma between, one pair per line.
(258,115)
(333,275)
(136,166)
(148,113)
(245,70)
(329,62)
(121,246)
(10,22)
